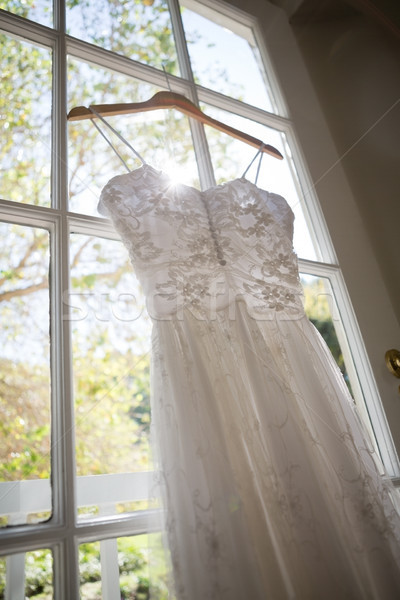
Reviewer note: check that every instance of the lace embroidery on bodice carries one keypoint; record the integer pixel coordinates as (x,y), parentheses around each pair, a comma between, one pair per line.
(205,250)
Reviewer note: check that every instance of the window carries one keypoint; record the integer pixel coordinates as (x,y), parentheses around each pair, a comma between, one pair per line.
(74,353)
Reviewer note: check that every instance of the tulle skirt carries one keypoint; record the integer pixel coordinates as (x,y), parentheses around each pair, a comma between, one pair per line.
(270,483)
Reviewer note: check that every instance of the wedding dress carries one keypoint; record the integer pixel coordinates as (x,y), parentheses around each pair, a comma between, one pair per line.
(271,487)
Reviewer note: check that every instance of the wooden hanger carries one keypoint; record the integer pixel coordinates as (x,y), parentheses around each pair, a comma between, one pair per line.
(170,100)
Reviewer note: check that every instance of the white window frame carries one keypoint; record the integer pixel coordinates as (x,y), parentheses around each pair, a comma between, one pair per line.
(63,534)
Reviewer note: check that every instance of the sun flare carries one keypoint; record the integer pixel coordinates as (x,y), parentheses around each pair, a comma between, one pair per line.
(176,173)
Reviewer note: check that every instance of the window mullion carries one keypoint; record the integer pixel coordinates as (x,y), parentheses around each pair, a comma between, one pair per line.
(59,16)
(180,41)
(63,442)
(203,157)
(66,573)
(59,133)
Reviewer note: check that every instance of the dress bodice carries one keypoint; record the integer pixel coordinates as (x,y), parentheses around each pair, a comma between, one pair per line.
(203,251)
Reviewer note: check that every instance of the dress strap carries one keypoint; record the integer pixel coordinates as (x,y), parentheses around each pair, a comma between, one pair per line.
(118,135)
(111,145)
(259,152)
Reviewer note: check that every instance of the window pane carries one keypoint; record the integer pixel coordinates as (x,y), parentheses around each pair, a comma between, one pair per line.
(318,304)
(130,567)
(27,575)
(111,337)
(25,122)
(231,157)
(139,29)
(24,376)
(40,11)
(225,57)
(162,137)
(322,310)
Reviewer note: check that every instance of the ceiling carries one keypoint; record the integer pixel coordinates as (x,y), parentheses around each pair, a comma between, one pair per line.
(385,13)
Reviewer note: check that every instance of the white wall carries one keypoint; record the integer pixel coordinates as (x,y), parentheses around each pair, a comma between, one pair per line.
(355,68)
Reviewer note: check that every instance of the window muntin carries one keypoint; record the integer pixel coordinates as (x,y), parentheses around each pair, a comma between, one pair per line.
(24,370)
(25,121)
(141,30)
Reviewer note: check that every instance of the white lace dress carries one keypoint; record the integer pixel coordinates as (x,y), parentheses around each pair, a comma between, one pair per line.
(270,483)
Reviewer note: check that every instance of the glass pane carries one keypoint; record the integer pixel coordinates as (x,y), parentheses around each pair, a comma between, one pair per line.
(319,306)
(130,567)
(24,376)
(162,137)
(27,575)
(25,122)
(225,57)
(111,337)
(322,310)
(231,157)
(40,11)
(139,29)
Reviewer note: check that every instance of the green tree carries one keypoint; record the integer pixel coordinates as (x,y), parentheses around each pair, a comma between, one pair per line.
(24,421)
(25,112)
(119,404)
(318,311)
(111,395)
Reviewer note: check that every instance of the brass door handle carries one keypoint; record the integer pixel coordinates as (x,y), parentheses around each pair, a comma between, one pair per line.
(392,358)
